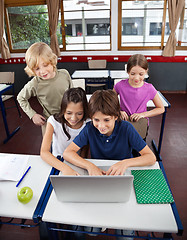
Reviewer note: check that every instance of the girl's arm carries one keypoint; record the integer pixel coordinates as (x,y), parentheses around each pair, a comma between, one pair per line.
(159,109)
(147,158)
(51,159)
(123,113)
(115,91)
(70,155)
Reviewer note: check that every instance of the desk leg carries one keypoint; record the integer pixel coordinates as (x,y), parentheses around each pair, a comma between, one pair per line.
(52,233)
(173,205)
(161,134)
(109,83)
(46,233)
(17,106)
(162,130)
(5,122)
(167,236)
(16,101)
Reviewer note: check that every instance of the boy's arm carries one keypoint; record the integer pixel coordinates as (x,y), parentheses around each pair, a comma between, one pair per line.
(24,95)
(70,155)
(68,78)
(71,82)
(51,159)
(147,158)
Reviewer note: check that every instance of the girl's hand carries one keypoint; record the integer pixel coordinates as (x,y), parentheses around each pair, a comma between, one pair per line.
(136,117)
(117,169)
(69,171)
(38,119)
(93,170)
(124,115)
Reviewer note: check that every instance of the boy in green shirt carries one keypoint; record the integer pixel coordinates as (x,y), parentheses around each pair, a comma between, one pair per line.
(48,83)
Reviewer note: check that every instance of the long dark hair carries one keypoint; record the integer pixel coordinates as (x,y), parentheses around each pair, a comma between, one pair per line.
(74,95)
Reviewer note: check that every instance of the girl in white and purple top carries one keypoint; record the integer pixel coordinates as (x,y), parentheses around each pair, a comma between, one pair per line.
(135,93)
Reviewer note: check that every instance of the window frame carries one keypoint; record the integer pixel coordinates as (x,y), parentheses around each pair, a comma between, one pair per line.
(82,50)
(120,47)
(161,47)
(12,3)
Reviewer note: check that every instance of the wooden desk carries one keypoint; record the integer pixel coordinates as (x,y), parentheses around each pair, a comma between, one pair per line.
(93,76)
(129,215)
(121,74)
(3,89)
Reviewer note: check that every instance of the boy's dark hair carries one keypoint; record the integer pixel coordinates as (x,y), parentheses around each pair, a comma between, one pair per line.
(74,95)
(137,60)
(106,102)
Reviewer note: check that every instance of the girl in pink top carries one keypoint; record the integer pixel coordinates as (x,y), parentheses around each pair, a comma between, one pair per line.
(135,93)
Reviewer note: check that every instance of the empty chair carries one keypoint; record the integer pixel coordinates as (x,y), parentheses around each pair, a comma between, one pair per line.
(117,80)
(97,64)
(79,83)
(8,78)
(96,83)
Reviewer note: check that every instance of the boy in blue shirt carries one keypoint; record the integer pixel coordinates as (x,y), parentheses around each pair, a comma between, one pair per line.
(109,137)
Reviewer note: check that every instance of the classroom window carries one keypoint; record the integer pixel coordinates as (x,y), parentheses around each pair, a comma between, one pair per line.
(98,29)
(27,25)
(132,26)
(86,25)
(145,25)
(68,29)
(78,30)
(156,29)
(140,21)
(181,31)
(90,24)
(27,22)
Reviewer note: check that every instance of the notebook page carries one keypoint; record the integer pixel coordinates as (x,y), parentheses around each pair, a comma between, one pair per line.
(12,167)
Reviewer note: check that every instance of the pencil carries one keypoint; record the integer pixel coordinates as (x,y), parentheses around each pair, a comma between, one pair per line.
(23,176)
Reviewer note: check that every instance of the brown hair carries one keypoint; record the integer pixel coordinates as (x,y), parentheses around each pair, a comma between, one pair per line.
(137,60)
(34,52)
(74,95)
(106,102)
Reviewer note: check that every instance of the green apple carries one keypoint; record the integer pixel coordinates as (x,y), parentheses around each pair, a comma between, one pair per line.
(25,194)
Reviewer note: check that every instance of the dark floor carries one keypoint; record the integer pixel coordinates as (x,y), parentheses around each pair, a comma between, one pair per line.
(174,154)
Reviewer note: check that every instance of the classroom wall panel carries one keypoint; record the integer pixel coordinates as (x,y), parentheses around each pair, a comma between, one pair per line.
(21,77)
(165,76)
(169,76)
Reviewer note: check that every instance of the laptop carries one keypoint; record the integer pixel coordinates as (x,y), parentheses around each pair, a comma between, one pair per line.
(85,188)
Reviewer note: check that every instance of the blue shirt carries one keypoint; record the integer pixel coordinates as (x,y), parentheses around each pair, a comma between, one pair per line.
(117,146)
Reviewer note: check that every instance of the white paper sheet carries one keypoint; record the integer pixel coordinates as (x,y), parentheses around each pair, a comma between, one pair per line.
(12,167)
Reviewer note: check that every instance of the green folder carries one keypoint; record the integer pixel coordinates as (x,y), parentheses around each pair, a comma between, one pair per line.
(151,187)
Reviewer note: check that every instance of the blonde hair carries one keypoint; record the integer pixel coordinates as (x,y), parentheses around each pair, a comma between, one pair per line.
(36,51)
